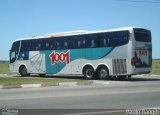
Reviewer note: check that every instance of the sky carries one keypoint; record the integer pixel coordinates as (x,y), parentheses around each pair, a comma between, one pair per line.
(27,18)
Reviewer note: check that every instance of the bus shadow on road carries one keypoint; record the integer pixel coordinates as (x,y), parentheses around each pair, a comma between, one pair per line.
(138,79)
(133,79)
(61,77)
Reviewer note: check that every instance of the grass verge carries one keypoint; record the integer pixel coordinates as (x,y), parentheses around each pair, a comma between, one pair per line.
(4,65)
(156,67)
(17,81)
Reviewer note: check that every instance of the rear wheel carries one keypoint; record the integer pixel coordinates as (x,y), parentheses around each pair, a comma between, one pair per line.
(103,73)
(89,73)
(23,71)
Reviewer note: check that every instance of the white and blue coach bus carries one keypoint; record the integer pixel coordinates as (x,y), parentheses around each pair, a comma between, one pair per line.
(94,54)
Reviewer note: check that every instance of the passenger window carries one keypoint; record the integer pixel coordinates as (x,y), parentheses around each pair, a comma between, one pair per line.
(58,45)
(66,44)
(113,39)
(92,43)
(84,42)
(47,44)
(79,44)
(78,41)
(91,40)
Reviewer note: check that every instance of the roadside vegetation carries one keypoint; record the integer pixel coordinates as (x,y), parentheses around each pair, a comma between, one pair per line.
(4,67)
(17,81)
(156,67)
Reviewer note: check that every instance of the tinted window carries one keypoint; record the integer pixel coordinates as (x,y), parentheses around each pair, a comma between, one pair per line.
(113,39)
(63,43)
(31,45)
(24,45)
(12,56)
(38,44)
(142,35)
(108,39)
(15,46)
(47,44)
(52,43)
(91,40)
(79,41)
(71,42)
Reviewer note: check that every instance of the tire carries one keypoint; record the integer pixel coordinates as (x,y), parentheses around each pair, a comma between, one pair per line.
(23,71)
(103,73)
(89,73)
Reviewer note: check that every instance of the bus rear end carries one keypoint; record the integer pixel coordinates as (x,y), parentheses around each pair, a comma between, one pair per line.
(142,52)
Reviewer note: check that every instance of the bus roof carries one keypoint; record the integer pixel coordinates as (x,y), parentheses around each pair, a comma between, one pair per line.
(78,32)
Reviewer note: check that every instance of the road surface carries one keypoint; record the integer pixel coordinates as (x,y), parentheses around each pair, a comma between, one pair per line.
(134,93)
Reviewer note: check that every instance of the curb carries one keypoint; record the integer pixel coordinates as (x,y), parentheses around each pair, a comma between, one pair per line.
(61,84)
(31,85)
(101,82)
(155,75)
(39,85)
(68,84)
(1,86)
(3,75)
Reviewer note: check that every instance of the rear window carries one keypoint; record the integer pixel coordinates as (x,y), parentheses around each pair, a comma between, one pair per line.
(142,35)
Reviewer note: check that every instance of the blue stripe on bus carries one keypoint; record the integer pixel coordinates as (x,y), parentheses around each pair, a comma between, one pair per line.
(89,54)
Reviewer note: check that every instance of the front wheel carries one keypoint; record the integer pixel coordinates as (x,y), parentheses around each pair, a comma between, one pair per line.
(23,71)
(103,73)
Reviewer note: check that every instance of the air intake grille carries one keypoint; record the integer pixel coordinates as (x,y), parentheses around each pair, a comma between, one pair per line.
(119,66)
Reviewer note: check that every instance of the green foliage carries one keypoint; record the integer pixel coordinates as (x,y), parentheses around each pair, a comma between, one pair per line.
(156,67)
(4,67)
(17,81)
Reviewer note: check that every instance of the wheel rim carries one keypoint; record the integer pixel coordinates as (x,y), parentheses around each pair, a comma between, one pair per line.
(24,71)
(103,73)
(89,73)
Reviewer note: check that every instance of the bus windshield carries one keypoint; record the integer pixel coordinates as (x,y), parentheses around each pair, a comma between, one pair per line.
(14,51)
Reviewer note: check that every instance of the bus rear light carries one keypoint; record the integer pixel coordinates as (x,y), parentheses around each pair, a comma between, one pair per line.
(133,61)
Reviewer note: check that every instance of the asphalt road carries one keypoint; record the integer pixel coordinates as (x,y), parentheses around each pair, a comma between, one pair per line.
(112,97)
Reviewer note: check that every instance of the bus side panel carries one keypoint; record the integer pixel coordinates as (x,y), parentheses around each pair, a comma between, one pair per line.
(36,62)
(119,60)
(71,61)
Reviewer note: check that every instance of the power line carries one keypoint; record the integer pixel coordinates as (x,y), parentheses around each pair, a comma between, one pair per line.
(141,1)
